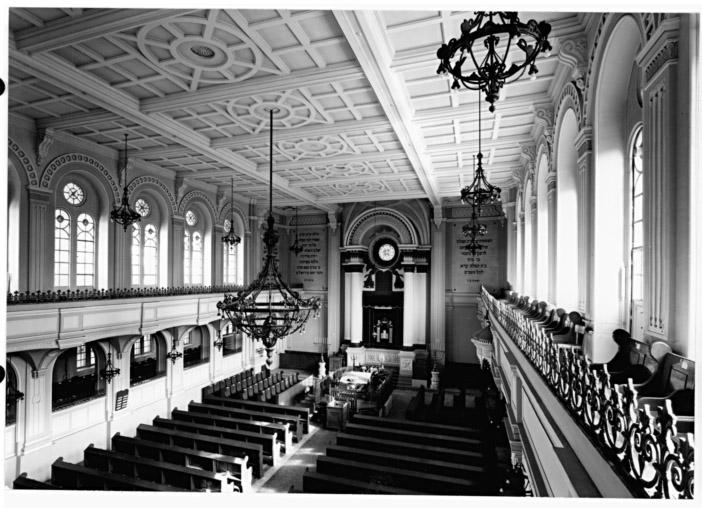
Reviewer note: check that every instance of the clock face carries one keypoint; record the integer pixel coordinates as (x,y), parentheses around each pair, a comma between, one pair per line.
(386,252)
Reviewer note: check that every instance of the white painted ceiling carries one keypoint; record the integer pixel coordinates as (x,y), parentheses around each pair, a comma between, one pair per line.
(364,116)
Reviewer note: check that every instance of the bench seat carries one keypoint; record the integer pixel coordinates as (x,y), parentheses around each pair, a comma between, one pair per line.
(80,478)
(327,484)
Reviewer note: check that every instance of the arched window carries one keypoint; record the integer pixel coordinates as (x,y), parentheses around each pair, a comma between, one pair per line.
(637,233)
(144,255)
(192,247)
(62,248)
(230,264)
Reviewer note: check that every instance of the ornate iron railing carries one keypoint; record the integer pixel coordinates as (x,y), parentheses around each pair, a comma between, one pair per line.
(120,293)
(651,457)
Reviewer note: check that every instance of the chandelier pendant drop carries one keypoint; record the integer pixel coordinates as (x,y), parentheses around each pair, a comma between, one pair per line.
(124,215)
(174,355)
(268,310)
(496,32)
(109,372)
(480,192)
(296,248)
(231,238)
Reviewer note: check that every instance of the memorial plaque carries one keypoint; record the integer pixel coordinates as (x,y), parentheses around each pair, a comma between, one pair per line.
(310,266)
(487,267)
(121,399)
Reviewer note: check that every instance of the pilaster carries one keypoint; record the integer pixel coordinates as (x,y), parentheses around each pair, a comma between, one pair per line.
(408,314)
(583,144)
(437,293)
(218,255)
(177,250)
(534,248)
(552,237)
(333,286)
(41,248)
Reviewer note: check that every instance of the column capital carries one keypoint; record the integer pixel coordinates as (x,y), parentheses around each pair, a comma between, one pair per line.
(39,195)
(661,49)
(333,224)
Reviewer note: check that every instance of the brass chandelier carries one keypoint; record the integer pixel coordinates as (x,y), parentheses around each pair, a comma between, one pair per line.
(124,214)
(231,238)
(268,309)
(296,248)
(498,32)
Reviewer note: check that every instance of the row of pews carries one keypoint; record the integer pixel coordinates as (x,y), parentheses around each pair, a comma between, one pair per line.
(389,456)
(217,445)
(261,387)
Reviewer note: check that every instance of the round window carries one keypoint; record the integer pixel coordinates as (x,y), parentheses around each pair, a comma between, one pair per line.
(74,194)
(191,218)
(142,207)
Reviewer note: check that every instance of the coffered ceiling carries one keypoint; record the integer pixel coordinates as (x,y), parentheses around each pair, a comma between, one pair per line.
(363,114)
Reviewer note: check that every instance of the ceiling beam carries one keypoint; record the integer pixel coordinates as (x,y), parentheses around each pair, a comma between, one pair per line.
(365,35)
(309,130)
(255,86)
(469,109)
(344,158)
(58,71)
(352,179)
(67,31)
(78,120)
(472,145)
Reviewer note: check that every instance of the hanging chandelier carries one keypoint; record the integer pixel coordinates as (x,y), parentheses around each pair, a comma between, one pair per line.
(109,372)
(473,246)
(497,32)
(231,237)
(174,355)
(124,215)
(296,247)
(480,192)
(474,228)
(268,309)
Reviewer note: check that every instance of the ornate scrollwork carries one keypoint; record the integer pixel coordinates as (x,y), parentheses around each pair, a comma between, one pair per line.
(644,446)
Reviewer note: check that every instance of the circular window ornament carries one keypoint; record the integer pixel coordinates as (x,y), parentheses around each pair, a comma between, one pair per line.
(142,207)
(227,225)
(74,194)
(386,252)
(190,218)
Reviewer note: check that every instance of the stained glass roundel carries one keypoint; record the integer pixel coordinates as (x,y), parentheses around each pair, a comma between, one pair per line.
(190,218)
(142,207)
(74,194)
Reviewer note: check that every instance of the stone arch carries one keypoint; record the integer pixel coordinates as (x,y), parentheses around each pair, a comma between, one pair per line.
(367,220)
(607,24)
(571,98)
(142,181)
(26,162)
(198,194)
(70,158)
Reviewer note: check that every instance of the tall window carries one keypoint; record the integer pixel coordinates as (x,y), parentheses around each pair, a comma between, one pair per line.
(85,357)
(74,239)
(637,235)
(192,251)
(230,264)
(144,255)
(143,346)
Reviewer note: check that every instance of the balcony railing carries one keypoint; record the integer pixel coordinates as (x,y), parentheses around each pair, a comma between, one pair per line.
(126,293)
(645,448)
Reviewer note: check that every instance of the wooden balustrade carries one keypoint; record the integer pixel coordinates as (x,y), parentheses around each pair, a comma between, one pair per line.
(644,445)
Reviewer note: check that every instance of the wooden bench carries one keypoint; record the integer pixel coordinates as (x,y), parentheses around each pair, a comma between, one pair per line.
(267,442)
(81,478)
(22,482)
(643,362)
(236,470)
(674,381)
(294,423)
(281,432)
(206,443)
(327,484)
(415,409)
(417,426)
(473,458)
(437,467)
(301,413)
(190,479)
(396,477)
(441,441)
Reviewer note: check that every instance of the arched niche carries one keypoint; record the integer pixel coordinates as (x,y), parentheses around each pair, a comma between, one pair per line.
(610,137)
(567,252)
(14,247)
(160,217)
(361,230)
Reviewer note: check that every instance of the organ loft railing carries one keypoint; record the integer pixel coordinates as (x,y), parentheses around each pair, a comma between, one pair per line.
(649,454)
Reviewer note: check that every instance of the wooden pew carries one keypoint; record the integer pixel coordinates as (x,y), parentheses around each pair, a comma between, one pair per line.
(454,443)
(281,432)
(396,477)
(294,423)
(421,464)
(22,482)
(267,441)
(644,362)
(326,484)
(301,413)
(80,478)
(190,479)
(417,426)
(206,443)
(473,458)
(235,469)
(415,409)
